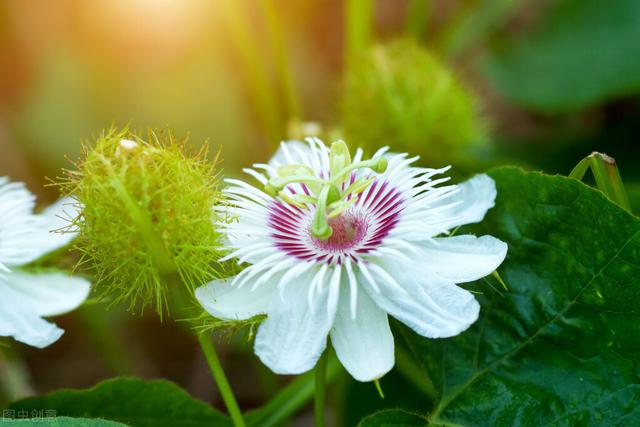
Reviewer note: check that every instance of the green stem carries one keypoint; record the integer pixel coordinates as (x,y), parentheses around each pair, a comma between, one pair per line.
(221,380)
(180,300)
(169,275)
(320,390)
(163,261)
(291,398)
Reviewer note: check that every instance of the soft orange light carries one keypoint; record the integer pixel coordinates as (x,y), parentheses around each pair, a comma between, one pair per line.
(144,32)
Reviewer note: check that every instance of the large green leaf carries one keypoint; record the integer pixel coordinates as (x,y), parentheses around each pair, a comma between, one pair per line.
(130,401)
(581,53)
(61,422)
(562,346)
(393,418)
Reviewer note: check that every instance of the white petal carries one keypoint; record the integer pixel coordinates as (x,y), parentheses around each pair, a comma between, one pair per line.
(470,203)
(364,345)
(19,228)
(47,294)
(55,218)
(463,258)
(291,152)
(430,306)
(293,336)
(17,320)
(25,297)
(225,301)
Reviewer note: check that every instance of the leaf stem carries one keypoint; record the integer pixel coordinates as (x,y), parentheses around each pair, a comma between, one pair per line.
(221,380)
(320,390)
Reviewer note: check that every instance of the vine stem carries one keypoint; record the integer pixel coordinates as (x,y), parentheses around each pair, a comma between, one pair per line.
(320,390)
(221,380)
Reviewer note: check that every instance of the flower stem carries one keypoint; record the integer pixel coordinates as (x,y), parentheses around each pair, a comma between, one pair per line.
(293,397)
(320,390)
(221,380)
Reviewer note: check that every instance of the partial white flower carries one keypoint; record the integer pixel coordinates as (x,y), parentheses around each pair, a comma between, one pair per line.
(27,297)
(387,253)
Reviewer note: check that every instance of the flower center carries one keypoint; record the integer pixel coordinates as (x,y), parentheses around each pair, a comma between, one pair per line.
(348,231)
(332,196)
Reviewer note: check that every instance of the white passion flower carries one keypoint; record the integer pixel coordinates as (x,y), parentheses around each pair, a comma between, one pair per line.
(25,298)
(335,245)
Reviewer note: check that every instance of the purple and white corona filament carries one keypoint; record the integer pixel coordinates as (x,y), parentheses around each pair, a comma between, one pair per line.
(334,245)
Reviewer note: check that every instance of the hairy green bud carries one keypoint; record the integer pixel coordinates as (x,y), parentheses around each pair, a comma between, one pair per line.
(402,95)
(146,215)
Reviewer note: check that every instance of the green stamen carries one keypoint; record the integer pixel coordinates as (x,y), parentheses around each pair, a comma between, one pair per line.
(320,228)
(331,202)
(339,158)
(280,182)
(378,165)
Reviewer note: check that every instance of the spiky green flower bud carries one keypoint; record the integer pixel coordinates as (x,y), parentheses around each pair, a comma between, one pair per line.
(401,95)
(146,215)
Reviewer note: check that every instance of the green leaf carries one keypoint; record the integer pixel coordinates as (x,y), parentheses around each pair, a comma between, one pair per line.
(582,52)
(393,418)
(130,401)
(62,422)
(562,346)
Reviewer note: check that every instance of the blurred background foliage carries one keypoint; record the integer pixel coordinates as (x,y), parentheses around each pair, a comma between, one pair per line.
(472,83)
